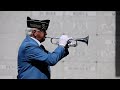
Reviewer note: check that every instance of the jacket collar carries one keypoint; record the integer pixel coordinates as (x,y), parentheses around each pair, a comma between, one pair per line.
(35,40)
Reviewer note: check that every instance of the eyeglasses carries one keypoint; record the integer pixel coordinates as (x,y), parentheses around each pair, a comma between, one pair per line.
(44,31)
(40,30)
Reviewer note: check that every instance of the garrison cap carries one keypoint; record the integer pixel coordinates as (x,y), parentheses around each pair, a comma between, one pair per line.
(40,24)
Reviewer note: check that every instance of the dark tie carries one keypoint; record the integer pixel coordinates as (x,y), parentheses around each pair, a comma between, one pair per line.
(43,48)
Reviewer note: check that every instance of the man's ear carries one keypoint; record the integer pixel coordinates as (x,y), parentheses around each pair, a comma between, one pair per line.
(33,33)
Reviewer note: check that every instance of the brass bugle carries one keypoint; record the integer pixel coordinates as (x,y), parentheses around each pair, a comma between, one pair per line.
(85,40)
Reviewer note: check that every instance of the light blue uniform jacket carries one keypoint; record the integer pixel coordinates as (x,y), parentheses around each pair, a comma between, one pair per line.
(34,61)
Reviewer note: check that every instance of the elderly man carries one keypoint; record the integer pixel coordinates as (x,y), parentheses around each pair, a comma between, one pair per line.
(34,60)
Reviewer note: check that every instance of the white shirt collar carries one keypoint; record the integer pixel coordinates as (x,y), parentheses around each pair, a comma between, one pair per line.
(36,41)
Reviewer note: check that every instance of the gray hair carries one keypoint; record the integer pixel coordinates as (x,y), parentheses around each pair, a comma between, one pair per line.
(28,31)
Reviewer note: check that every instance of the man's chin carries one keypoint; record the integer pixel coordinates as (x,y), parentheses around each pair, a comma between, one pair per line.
(42,40)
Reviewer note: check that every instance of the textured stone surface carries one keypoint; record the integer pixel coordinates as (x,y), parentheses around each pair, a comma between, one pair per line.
(96,61)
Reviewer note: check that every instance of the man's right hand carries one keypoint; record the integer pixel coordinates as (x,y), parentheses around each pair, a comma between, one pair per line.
(63,40)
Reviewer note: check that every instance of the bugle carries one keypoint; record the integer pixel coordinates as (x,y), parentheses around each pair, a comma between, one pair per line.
(71,42)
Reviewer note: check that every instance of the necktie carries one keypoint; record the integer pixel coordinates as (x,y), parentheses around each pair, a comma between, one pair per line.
(43,48)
